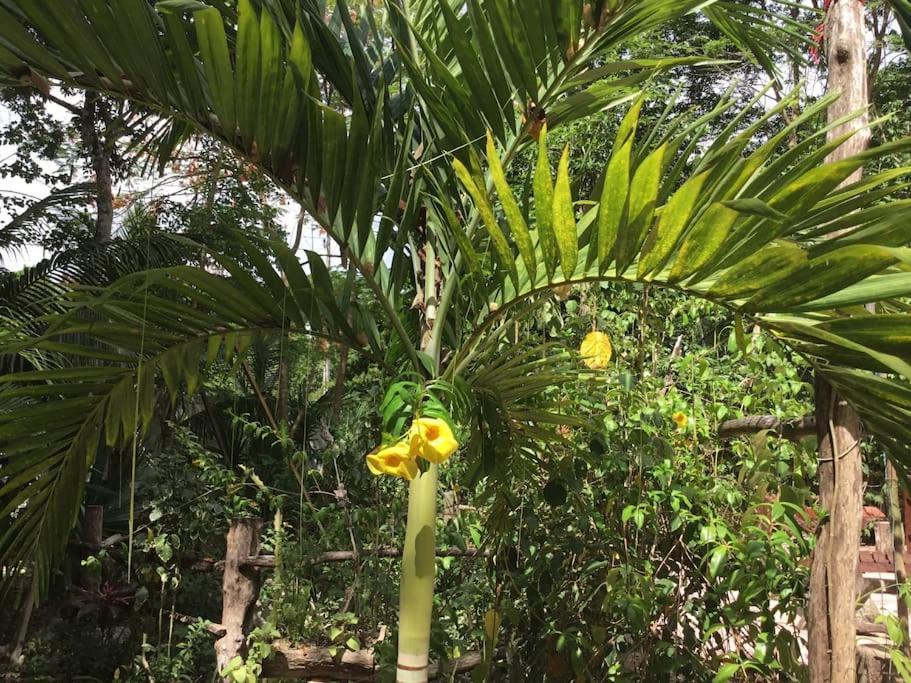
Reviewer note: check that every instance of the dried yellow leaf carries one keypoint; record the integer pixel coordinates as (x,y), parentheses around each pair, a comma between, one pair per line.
(596,350)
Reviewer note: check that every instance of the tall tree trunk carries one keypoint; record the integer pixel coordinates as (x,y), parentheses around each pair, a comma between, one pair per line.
(100,150)
(831,618)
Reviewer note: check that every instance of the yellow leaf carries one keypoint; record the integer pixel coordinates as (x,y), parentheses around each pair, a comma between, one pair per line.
(596,350)
(492,622)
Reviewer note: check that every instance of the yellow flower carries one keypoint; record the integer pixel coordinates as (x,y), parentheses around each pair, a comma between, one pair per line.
(680,419)
(432,439)
(596,350)
(395,460)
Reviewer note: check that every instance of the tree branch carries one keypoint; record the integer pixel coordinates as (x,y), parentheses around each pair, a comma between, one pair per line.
(793,430)
(270,418)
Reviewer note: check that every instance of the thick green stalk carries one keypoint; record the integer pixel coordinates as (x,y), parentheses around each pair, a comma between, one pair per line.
(419,553)
(418,568)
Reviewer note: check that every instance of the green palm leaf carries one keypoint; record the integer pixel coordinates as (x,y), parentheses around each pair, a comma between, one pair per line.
(739,234)
(173,321)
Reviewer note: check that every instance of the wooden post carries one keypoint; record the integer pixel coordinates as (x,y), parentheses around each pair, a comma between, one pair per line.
(906,517)
(831,613)
(28,605)
(93,525)
(899,529)
(833,591)
(92,534)
(240,588)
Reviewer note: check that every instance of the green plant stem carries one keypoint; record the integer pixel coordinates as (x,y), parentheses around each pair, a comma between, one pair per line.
(419,553)
(418,568)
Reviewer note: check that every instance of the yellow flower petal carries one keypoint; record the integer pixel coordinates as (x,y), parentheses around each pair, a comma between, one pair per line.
(432,439)
(395,460)
(680,419)
(596,350)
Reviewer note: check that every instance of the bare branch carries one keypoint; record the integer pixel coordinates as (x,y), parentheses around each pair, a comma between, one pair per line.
(793,430)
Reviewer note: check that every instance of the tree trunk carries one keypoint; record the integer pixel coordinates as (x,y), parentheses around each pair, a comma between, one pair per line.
(831,617)
(240,588)
(100,153)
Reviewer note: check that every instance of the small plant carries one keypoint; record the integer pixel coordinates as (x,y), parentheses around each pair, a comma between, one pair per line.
(248,670)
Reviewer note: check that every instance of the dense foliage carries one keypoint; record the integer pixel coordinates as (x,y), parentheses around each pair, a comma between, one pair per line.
(598,527)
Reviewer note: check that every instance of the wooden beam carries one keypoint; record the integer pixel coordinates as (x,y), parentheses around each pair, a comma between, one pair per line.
(313,662)
(268,561)
(793,430)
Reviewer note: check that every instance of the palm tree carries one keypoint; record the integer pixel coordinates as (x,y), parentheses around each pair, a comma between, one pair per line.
(395,132)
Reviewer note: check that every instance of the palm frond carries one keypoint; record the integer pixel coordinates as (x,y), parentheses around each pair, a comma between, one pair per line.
(751,230)
(19,230)
(902,9)
(39,289)
(173,322)
(248,78)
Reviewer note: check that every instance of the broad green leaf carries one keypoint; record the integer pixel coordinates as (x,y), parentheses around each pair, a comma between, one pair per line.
(213,46)
(717,559)
(544,202)
(726,673)
(823,275)
(176,35)
(615,187)
(674,218)
(643,195)
(889,333)
(481,89)
(497,238)
(703,241)
(271,78)
(356,162)
(493,65)
(335,141)
(594,99)
(564,219)
(767,266)
(754,207)
(458,231)
(514,217)
(300,57)
(834,347)
(873,289)
(248,70)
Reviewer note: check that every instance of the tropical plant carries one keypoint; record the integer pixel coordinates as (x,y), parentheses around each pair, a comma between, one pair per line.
(374,132)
